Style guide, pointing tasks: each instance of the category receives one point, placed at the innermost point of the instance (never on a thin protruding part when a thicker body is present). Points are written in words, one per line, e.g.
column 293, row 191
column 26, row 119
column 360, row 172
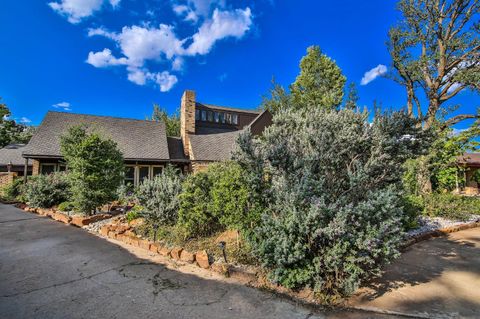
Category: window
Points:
column 222, row 117
column 143, row 173
column 197, row 115
column 47, row 169
column 216, row 115
column 204, row 115
column 235, row 119
column 228, row 118
column 130, row 175
column 210, row 116
column 156, row 170
column 62, row 167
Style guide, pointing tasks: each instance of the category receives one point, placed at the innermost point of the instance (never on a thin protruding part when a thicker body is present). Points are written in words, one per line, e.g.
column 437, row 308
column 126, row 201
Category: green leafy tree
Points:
column 10, row 130
column 435, row 53
column 95, row 166
column 320, row 82
column 172, row 123
column 334, row 213
column 159, row 198
column 278, row 100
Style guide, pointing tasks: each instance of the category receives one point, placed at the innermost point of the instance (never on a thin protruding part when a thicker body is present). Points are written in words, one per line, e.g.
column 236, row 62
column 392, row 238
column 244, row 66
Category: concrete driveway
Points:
column 437, row 278
column 51, row 270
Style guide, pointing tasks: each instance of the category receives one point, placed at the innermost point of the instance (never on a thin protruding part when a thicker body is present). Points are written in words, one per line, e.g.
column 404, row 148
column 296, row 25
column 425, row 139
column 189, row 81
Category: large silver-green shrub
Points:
column 45, row 191
column 159, row 198
column 332, row 181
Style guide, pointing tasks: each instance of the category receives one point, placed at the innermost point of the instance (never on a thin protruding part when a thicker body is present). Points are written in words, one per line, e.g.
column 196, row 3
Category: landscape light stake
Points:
column 222, row 245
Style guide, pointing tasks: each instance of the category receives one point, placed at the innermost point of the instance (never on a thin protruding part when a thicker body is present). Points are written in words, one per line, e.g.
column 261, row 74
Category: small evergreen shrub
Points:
column 217, row 199
column 450, row 206
column 66, row 206
column 45, row 191
column 134, row 213
column 159, row 198
column 13, row 191
column 195, row 217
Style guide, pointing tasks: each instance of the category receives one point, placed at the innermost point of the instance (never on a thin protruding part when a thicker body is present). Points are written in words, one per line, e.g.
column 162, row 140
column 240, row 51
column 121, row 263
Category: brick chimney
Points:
column 187, row 118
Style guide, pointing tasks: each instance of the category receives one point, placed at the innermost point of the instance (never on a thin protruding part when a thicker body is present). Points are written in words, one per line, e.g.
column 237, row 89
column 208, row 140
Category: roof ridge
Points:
column 236, row 109
column 103, row 116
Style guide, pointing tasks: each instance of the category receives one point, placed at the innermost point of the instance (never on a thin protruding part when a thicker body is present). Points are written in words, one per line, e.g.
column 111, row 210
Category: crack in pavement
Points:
column 135, row 263
column 19, row 220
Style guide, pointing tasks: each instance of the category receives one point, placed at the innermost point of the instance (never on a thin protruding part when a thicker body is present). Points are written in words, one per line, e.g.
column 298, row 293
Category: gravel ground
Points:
column 428, row 224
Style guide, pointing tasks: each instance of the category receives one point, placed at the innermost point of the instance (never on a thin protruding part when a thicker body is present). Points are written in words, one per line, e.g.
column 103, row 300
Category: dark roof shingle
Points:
column 213, row 147
column 12, row 154
column 136, row 139
column 175, row 148
column 469, row 159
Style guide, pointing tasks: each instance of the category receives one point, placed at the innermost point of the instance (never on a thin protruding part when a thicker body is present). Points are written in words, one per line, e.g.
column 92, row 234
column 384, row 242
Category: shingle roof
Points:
column 213, row 147
column 136, row 139
column 175, row 148
column 12, row 154
column 469, row 159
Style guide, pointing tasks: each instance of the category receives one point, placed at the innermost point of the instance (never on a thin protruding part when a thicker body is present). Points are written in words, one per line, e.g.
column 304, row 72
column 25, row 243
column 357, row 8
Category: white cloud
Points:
column 140, row 45
column 223, row 24
column 371, row 75
column 165, row 81
column 104, row 59
column 25, row 120
column 63, row 105
column 76, row 10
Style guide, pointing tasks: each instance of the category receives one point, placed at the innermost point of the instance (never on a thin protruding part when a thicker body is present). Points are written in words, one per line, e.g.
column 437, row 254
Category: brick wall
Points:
column 6, row 178
column 35, row 167
column 187, row 119
column 199, row 166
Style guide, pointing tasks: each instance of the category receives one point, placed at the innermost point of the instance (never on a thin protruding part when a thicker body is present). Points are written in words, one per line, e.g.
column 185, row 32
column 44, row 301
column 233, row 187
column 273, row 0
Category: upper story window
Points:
column 228, row 118
column 235, row 119
column 204, row 115
column 216, row 116
column 197, row 115
column 222, row 117
column 210, row 116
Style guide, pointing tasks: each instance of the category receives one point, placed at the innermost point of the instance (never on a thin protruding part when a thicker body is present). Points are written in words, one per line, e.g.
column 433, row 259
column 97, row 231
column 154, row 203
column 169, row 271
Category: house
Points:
column 12, row 164
column 208, row 134
column 471, row 164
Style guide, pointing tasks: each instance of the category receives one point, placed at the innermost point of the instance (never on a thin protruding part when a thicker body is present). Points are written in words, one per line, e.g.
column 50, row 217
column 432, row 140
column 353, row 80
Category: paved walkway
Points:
column 437, row 278
column 51, row 270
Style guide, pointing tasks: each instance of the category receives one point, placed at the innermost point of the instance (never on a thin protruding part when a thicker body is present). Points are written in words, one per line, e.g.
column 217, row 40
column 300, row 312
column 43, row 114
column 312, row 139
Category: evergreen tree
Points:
column 352, row 97
column 320, row 82
column 10, row 130
column 95, row 168
column 172, row 123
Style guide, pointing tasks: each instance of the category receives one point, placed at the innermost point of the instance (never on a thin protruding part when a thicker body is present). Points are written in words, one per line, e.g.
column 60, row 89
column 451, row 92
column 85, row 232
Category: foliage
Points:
column 11, row 131
column 435, row 54
column 95, row 168
column 134, row 213
column 320, row 82
column 446, row 205
column 66, row 206
column 125, row 194
column 45, row 191
column 194, row 216
column 13, row 190
column 217, row 199
column 335, row 211
column 160, row 197
column 172, row 123
column 352, row 97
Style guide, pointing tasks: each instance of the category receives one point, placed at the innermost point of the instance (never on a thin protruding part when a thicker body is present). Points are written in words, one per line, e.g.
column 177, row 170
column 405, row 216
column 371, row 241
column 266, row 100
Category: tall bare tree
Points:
column 436, row 53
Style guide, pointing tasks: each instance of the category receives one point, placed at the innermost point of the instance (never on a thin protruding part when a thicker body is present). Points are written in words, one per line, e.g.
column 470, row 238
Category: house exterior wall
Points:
column 471, row 187
column 199, row 166
column 7, row 178
column 35, row 167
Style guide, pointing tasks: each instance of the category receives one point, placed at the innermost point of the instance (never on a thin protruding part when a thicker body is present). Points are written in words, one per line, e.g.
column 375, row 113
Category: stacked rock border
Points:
column 78, row 221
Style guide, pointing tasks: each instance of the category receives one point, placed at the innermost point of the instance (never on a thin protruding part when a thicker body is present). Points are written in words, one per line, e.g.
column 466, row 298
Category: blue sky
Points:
column 118, row 57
